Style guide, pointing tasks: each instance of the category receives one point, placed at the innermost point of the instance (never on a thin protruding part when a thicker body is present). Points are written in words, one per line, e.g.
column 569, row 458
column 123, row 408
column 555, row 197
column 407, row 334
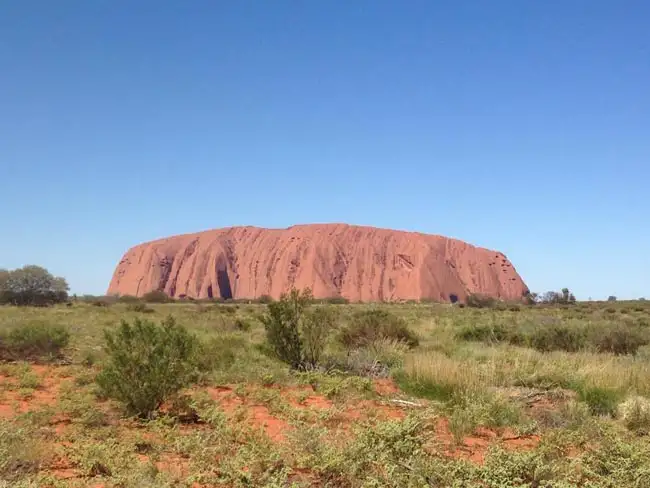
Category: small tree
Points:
column 283, row 323
column 611, row 298
column 32, row 285
column 297, row 334
column 147, row 364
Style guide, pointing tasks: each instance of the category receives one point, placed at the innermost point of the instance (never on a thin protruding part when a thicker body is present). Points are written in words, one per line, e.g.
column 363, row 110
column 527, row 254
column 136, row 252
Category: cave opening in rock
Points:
column 225, row 291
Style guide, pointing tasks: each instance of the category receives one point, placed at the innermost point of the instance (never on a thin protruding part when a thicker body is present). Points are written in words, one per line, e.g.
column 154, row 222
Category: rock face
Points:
column 358, row 263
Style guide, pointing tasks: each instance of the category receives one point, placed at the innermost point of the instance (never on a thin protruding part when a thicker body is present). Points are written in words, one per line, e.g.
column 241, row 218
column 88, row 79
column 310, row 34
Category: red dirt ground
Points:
column 472, row 447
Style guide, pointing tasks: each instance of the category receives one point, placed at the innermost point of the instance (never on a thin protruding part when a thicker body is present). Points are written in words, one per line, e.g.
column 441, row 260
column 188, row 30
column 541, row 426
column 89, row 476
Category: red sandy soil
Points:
column 11, row 401
column 358, row 263
column 472, row 447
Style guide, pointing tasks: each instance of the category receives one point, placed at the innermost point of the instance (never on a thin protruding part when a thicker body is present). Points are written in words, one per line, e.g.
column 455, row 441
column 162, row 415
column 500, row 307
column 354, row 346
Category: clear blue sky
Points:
column 522, row 126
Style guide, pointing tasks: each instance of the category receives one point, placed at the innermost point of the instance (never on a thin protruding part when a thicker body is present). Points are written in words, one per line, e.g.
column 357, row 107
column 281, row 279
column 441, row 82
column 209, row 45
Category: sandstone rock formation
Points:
column 358, row 263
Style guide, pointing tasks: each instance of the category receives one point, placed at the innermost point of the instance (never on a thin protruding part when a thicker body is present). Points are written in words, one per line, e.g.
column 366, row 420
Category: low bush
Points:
column 35, row 341
column 470, row 409
column 369, row 326
column 156, row 296
column 128, row 299
column 490, row 334
column 618, row 339
column 557, row 337
column 375, row 361
column 476, row 300
column 425, row 387
column 147, row 364
column 635, row 414
column 601, row 401
column 139, row 307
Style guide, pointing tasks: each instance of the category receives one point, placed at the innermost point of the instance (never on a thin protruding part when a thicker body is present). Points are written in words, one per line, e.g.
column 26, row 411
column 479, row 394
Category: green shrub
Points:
column 493, row 333
column 34, row 341
column 557, row 336
column 147, row 364
column 32, row 286
column 370, row 325
column 425, row 387
column 476, row 300
column 156, row 296
column 282, row 324
column 619, row 339
column 296, row 334
column 601, row 401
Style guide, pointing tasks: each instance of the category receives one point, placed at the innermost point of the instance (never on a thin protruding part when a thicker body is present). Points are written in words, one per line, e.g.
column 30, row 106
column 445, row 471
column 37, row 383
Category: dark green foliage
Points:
column 476, row 300
column 297, row 334
column 490, row 334
column 282, row 324
column 557, row 336
column 32, row 286
column 367, row 326
column 265, row 299
column 147, row 364
column 611, row 298
column 619, row 339
column 601, row 401
column 156, row 296
column 36, row 341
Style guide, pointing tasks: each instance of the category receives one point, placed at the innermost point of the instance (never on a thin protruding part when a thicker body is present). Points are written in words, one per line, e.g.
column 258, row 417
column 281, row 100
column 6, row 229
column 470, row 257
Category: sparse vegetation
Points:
column 36, row 341
column 441, row 396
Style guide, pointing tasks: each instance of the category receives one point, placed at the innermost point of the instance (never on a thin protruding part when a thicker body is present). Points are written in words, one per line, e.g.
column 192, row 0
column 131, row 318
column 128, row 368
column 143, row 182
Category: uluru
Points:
column 355, row 262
